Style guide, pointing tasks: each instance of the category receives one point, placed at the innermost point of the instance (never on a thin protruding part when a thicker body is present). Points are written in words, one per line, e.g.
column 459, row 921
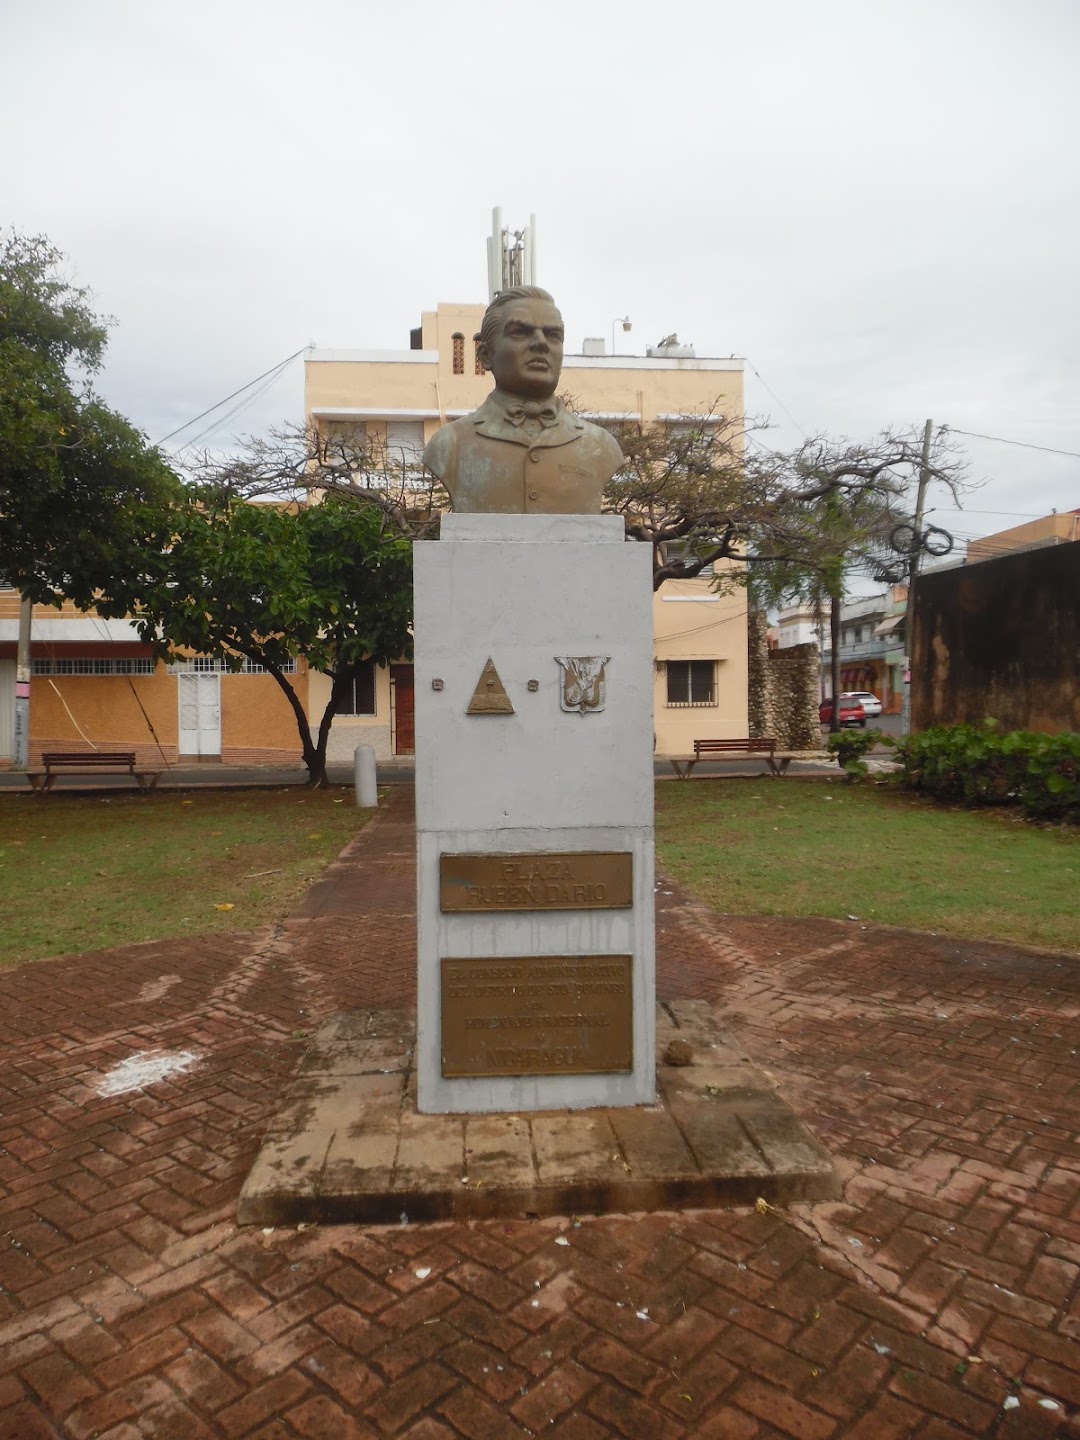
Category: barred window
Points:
column 458, row 341
column 217, row 664
column 94, row 665
column 691, row 682
column 359, row 695
column 478, row 368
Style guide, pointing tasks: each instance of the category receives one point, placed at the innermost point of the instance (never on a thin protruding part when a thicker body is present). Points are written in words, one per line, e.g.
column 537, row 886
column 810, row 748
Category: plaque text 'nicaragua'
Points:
column 554, row 880
column 537, row 1015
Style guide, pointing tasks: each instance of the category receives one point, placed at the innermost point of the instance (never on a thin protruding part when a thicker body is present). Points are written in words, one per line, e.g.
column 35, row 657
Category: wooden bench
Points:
column 89, row 762
column 741, row 749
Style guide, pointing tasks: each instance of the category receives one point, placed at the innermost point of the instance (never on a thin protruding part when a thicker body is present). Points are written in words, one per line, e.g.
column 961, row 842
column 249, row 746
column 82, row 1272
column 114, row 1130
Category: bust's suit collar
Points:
column 490, row 421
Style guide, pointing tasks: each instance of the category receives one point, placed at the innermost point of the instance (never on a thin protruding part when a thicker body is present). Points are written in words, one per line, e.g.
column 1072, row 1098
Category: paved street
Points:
column 938, row 1298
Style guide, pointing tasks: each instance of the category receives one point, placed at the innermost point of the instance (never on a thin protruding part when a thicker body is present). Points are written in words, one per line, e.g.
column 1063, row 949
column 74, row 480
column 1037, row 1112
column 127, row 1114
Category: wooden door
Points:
column 404, row 730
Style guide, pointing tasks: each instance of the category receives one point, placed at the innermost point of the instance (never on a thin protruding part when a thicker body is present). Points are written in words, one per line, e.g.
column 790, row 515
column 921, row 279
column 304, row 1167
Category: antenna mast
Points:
column 511, row 255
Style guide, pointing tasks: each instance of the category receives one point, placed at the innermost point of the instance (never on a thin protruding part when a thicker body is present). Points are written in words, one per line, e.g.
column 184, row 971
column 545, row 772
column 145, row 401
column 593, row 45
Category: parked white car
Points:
column 870, row 703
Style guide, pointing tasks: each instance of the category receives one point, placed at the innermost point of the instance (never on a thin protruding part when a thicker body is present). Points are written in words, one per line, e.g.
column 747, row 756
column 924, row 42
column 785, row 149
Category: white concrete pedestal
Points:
column 521, row 590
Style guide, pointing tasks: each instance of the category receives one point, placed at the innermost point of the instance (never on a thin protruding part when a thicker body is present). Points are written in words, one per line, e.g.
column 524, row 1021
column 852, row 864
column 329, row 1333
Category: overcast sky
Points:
column 876, row 201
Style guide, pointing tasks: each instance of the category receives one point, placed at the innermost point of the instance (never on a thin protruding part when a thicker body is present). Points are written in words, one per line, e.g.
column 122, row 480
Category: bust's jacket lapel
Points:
column 490, row 421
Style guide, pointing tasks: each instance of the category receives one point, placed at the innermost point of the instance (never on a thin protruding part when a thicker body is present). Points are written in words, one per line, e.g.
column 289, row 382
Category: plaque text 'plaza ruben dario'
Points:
column 540, row 1015
column 574, row 880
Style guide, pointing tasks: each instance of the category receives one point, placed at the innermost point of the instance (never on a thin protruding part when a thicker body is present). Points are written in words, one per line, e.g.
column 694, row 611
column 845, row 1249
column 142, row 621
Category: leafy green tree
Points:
column 82, row 494
column 329, row 583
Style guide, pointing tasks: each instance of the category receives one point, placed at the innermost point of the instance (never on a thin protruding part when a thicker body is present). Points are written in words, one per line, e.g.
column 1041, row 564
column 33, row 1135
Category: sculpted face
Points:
column 527, row 357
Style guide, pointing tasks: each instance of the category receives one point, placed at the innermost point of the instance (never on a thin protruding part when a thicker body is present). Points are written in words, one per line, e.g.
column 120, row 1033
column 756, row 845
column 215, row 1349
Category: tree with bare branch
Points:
column 710, row 490
column 298, row 462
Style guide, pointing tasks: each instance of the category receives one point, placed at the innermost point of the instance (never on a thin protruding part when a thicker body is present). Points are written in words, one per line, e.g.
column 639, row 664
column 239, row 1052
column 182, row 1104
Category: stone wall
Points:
column 757, row 680
column 784, row 689
column 793, row 695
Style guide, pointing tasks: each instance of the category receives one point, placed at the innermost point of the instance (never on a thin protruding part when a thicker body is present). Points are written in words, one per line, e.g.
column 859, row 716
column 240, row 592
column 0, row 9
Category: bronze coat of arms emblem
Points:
column 582, row 682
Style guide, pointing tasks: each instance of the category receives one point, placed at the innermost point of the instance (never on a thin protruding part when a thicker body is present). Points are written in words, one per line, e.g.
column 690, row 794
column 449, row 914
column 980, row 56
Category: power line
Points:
column 776, row 397
column 1000, row 439
column 250, row 399
column 188, row 423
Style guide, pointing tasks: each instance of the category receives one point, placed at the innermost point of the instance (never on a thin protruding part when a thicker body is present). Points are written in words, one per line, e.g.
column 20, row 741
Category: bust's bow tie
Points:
column 545, row 412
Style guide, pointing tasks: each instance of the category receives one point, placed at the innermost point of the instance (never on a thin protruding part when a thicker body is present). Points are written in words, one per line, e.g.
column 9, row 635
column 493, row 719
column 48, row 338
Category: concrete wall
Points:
column 1001, row 639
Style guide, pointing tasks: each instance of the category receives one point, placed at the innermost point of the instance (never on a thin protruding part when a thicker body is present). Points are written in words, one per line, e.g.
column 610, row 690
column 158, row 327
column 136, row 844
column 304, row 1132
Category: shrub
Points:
column 849, row 747
column 977, row 765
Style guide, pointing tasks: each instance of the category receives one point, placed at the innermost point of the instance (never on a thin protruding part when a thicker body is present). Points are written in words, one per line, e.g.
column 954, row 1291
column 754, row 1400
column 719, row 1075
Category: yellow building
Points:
column 1057, row 529
column 95, row 685
column 401, row 397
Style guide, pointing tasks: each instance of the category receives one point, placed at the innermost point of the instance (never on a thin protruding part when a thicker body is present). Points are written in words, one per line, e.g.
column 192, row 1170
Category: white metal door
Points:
column 199, row 725
column 7, row 709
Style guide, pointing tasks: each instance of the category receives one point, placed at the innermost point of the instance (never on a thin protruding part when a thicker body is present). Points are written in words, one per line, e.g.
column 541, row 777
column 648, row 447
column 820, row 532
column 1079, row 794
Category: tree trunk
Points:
column 834, row 632
column 314, row 755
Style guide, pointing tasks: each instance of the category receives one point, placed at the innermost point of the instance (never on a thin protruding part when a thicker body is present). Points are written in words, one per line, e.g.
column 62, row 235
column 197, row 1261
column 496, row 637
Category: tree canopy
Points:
column 81, row 490
column 329, row 583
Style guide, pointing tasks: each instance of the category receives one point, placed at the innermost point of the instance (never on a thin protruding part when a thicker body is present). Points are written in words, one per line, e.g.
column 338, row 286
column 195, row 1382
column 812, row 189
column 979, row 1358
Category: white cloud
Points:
column 878, row 204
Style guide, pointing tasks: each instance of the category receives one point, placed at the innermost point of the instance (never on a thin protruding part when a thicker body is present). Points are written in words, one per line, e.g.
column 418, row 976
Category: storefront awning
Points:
column 889, row 626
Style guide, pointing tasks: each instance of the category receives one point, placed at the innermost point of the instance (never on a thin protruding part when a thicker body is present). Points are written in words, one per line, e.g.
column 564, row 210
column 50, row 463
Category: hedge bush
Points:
column 849, row 747
column 978, row 765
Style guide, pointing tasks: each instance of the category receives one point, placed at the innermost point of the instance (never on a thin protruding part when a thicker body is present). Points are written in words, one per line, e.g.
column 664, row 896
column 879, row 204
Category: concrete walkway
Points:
column 938, row 1298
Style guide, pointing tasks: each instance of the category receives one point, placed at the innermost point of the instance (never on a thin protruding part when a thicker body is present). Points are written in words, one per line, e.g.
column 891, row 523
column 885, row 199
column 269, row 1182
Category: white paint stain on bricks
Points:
column 155, row 989
column 147, row 1067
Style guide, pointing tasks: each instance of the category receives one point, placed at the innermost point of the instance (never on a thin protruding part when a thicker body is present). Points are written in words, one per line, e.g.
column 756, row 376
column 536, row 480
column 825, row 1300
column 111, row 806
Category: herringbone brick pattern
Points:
column 943, row 1076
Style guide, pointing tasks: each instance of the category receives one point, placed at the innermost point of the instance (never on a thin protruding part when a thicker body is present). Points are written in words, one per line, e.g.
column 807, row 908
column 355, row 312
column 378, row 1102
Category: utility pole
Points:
column 22, row 687
column 913, row 570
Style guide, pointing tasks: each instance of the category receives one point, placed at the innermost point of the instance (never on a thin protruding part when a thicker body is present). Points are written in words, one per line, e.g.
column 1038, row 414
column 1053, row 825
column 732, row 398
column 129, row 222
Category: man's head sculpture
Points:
column 521, row 342
column 522, row 452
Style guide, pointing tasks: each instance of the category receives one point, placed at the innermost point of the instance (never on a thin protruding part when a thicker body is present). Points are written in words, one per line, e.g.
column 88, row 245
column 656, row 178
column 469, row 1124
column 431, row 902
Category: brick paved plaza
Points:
column 937, row 1299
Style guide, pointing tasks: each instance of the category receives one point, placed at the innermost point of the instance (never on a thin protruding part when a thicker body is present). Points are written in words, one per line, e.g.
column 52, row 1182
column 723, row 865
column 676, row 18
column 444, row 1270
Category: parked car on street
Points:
column 851, row 711
column 869, row 702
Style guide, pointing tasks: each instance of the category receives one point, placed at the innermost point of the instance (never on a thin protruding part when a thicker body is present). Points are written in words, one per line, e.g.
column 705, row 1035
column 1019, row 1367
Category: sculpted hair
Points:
column 489, row 326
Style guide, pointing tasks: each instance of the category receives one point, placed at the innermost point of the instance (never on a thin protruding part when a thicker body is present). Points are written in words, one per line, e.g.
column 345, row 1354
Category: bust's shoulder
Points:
column 439, row 451
column 603, row 441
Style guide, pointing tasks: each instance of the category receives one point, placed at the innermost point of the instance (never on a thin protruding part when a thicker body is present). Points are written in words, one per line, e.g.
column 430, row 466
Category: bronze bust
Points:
column 522, row 452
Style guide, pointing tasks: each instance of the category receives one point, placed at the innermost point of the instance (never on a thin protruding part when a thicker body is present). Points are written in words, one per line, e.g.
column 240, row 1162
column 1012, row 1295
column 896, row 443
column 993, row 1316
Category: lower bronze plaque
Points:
column 548, row 880
column 537, row 1015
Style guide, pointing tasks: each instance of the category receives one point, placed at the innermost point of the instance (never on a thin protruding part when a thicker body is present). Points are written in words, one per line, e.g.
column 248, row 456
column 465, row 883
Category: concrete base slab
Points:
column 349, row 1146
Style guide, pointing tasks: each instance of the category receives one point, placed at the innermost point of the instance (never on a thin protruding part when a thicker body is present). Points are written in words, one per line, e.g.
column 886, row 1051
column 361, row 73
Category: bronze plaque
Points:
column 537, row 1015
column 551, row 880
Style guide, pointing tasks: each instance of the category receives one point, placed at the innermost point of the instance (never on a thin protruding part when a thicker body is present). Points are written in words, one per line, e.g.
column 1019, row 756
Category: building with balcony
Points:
column 96, row 685
column 871, row 643
column 399, row 398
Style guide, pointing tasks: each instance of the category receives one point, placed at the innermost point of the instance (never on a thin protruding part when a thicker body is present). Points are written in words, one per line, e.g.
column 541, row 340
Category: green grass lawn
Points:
column 800, row 847
column 82, row 872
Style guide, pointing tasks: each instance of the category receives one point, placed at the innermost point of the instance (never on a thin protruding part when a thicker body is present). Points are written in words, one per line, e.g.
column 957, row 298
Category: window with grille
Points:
column 358, row 697
column 216, row 664
column 458, row 341
column 691, row 682
column 478, row 368
column 94, row 665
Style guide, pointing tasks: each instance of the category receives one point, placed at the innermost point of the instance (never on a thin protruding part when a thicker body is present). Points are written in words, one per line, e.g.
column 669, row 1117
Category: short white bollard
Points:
column 367, row 790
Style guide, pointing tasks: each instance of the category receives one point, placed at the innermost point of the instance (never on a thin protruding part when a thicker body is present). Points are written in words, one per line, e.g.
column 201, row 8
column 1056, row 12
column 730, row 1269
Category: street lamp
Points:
column 624, row 321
